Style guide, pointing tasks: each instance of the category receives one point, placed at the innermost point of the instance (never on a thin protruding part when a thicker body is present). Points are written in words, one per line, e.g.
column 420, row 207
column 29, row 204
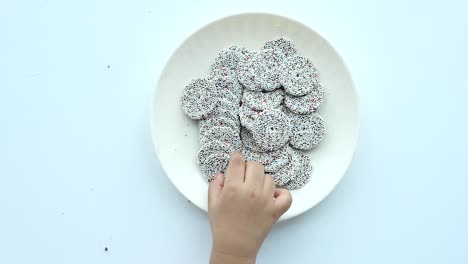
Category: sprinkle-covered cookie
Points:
column 271, row 130
column 307, row 131
column 291, row 170
column 229, row 58
column 260, row 70
column 227, row 104
column 268, row 65
column 224, row 84
column 197, row 99
column 280, row 160
column 223, row 71
column 298, row 76
column 223, row 134
column 226, row 113
column 286, row 46
column 214, row 163
column 248, row 141
column 305, row 104
column 228, row 96
column 271, row 160
column 247, row 116
column 205, row 125
column 248, row 71
column 284, row 175
column 304, row 174
column 263, row 100
column 214, row 147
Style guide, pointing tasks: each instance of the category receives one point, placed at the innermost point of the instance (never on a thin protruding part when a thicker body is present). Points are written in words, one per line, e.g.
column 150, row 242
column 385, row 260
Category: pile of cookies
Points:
column 263, row 103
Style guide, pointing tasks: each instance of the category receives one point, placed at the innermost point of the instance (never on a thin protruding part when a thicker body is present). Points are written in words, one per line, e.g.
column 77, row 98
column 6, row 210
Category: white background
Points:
column 78, row 172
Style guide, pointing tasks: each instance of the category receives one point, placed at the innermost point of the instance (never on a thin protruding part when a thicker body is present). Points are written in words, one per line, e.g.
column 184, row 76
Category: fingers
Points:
column 254, row 174
column 283, row 200
column 215, row 187
column 269, row 186
column 236, row 170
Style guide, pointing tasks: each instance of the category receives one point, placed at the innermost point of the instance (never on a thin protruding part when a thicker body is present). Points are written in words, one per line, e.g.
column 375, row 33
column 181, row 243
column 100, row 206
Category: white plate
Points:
column 175, row 136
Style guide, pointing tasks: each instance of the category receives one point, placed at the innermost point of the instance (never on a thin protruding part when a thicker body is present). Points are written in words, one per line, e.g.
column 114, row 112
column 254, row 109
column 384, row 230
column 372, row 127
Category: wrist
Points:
column 219, row 257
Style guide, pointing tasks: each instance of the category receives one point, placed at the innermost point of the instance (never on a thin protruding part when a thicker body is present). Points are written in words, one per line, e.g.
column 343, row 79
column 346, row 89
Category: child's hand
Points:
column 243, row 208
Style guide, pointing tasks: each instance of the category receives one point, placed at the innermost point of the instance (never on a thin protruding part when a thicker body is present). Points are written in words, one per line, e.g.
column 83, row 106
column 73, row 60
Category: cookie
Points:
column 291, row 170
column 214, row 147
column 303, row 176
column 280, row 159
column 260, row 70
column 263, row 100
column 226, row 104
column 225, row 84
column 248, row 141
column 226, row 113
column 214, row 163
column 307, row 131
column 229, row 58
column 271, row 130
column 197, row 100
column 248, row 71
column 231, row 96
column 298, row 76
column 247, row 116
column 223, row 71
column 206, row 125
column 271, row 160
column 285, row 46
column 305, row 104
column 269, row 62
column 223, row 134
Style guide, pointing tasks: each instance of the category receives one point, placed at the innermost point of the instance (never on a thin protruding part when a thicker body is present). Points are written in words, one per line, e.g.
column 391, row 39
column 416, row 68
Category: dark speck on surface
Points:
column 185, row 134
column 189, row 201
column 108, row 66
column 106, row 249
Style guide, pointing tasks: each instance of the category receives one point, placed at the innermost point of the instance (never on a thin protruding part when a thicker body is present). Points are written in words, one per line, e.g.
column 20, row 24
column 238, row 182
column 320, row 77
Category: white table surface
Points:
column 78, row 172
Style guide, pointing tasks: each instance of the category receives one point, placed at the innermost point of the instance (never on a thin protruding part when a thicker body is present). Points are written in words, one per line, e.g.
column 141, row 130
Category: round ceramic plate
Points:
column 175, row 136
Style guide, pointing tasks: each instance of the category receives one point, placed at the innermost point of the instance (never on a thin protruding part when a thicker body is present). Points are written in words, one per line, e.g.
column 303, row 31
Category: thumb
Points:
column 283, row 200
column 215, row 187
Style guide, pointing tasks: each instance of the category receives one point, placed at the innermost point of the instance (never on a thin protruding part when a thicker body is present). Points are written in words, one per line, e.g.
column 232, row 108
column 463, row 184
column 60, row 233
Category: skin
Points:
column 242, row 207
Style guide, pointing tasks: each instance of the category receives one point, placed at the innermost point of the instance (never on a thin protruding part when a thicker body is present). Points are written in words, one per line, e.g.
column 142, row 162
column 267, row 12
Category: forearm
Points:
column 221, row 258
